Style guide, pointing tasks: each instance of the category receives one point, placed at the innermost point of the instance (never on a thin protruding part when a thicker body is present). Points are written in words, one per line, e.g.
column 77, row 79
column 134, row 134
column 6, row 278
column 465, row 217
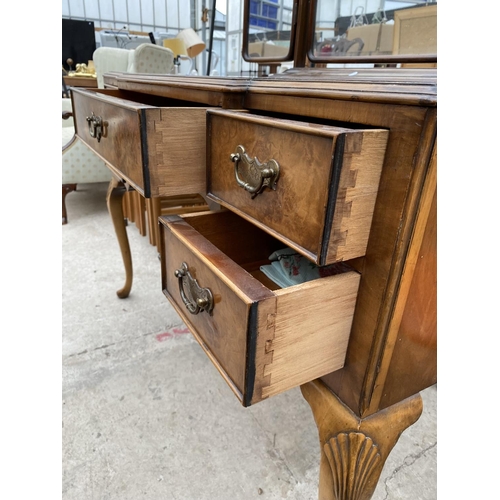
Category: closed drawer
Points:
column 312, row 186
column 263, row 339
column 159, row 149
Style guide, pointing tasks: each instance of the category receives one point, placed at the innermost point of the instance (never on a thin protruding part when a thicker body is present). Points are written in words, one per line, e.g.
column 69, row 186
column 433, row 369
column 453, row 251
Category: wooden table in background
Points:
column 80, row 81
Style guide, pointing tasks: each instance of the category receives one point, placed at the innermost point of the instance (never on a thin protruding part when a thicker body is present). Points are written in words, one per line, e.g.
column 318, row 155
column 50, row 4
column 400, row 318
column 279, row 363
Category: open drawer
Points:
column 262, row 338
column 155, row 144
column 311, row 185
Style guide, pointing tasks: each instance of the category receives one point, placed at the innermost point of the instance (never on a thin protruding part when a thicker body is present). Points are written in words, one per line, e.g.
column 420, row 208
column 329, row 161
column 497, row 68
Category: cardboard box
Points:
column 377, row 39
column 415, row 30
column 268, row 49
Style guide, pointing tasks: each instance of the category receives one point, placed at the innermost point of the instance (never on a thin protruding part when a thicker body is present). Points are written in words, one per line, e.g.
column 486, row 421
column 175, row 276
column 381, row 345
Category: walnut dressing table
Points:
column 356, row 154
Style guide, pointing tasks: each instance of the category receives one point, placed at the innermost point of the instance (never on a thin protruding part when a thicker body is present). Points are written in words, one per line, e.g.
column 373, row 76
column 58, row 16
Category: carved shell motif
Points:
column 354, row 461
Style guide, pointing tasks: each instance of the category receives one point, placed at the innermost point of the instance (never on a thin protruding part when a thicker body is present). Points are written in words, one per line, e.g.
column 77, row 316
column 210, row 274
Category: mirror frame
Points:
column 384, row 59
column 246, row 35
column 305, row 24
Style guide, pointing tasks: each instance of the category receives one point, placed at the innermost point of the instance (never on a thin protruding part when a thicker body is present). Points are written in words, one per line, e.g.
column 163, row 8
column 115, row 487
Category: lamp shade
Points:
column 194, row 44
column 176, row 45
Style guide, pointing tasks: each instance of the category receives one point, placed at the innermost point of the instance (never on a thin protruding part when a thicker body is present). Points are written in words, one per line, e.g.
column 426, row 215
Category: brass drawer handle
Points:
column 95, row 126
column 195, row 298
column 252, row 175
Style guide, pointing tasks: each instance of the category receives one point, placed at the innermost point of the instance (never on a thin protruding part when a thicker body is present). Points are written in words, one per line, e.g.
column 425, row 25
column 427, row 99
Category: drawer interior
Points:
column 247, row 245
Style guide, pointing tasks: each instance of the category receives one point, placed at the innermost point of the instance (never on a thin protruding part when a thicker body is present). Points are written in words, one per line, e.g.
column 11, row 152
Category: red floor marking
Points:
column 162, row 336
column 181, row 330
column 175, row 331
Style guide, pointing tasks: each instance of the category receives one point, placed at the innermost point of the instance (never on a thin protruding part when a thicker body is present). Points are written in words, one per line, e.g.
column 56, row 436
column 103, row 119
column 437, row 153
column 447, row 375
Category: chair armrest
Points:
column 66, row 115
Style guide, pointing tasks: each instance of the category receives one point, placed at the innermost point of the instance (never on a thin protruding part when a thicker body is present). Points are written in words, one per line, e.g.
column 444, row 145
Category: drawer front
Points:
column 120, row 144
column 263, row 339
column 160, row 151
column 312, row 186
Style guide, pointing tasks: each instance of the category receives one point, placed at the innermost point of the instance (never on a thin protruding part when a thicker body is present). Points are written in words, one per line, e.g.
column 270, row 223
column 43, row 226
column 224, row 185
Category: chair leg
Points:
column 66, row 188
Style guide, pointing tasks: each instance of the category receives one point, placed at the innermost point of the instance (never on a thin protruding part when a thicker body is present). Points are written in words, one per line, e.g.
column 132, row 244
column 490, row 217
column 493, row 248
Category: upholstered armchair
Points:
column 79, row 163
column 147, row 58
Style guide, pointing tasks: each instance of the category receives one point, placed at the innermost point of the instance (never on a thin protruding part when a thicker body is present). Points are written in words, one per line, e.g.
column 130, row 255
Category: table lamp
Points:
column 177, row 46
column 194, row 44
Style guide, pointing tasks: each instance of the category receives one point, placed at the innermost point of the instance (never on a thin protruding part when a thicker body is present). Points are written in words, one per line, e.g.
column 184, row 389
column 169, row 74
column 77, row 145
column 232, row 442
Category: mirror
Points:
column 268, row 35
column 373, row 31
column 340, row 31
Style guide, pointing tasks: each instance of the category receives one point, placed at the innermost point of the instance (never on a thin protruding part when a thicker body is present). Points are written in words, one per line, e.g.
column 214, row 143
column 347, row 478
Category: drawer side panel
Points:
column 312, row 327
column 177, row 151
column 263, row 350
column 363, row 158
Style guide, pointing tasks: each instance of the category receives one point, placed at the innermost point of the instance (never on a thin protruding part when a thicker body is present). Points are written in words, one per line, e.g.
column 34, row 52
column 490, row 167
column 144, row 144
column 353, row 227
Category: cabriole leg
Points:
column 116, row 191
column 354, row 450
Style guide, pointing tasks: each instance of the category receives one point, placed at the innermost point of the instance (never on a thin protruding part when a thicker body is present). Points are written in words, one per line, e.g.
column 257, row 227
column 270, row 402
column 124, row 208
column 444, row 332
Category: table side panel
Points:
column 414, row 324
column 404, row 170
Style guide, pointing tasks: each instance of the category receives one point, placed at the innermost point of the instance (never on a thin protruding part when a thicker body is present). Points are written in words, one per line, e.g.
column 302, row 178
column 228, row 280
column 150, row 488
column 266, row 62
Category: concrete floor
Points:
column 146, row 414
